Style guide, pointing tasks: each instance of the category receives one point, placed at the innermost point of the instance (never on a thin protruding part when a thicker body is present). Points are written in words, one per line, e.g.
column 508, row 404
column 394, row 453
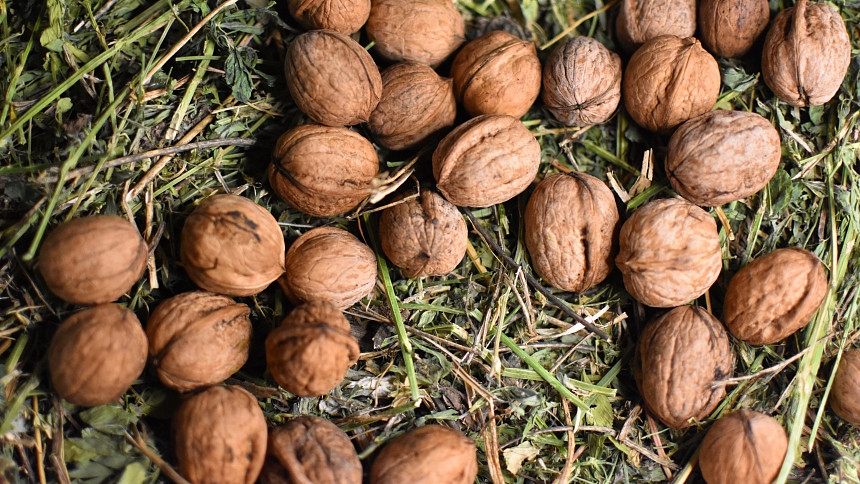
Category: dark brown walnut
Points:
column 668, row 81
column 344, row 16
column 669, row 253
column 639, row 21
column 92, row 260
column 680, row 357
column 220, row 436
column 806, row 54
column 309, row 354
column 774, row 296
column 321, row 170
column 426, row 31
column 729, row 28
column 427, row 455
column 845, row 396
column 332, row 78
column 197, row 339
column 230, row 245
column 486, row 160
column 424, row 236
column 416, row 104
column 329, row 264
column 570, row 226
column 743, row 446
column 722, row 156
column 96, row 354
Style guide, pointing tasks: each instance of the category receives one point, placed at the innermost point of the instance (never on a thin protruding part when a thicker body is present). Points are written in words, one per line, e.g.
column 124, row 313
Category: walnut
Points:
column 92, row 260
column 309, row 354
column 96, row 354
column 743, row 446
column 486, row 160
column 570, row 227
column 197, row 339
column 321, row 170
column 332, row 78
column 845, row 396
column 722, row 156
column 669, row 253
column 344, row 16
column 428, row 454
column 680, row 356
column 774, row 296
column 730, row 27
column 230, row 245
column 426, row 31
column 639, row 21
column 668, row 81
column 416, row 104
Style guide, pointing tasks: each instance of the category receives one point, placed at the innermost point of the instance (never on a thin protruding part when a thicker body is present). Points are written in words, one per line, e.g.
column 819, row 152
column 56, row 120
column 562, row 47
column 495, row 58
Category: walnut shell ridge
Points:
column 427, row 455
column 344, row 16
column 845, row 395
column 729, row 28
column 743, row 446
column 639, row 21
column 426, row 31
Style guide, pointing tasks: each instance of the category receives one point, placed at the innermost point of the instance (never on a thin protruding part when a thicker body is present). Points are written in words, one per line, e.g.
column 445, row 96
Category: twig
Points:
column 138, row 442
column 571, row 445
column 99, row 13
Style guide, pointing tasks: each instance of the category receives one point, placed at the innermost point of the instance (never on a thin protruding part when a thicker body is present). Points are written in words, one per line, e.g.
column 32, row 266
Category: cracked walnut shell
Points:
column 729, row 28
column 426, row 31
column 427, row 455
column 845, row 397
column 743, row 446
column 344, row 16
column 639, row 21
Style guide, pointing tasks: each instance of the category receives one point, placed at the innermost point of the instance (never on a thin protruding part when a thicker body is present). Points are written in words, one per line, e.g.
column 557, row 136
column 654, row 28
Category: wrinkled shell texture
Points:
column 230, row 245
column 344, row 16
column 220, row 436
column 669, row 253
column 774, row 296
column 743, row 446
column 416, row 104
column 680, row 355
column 427, row 455
column 332, row 78
column 425, row 31
column 806, row 54
column 329, row 264
column 639, row 21
column 309, row 354
column 570, row 225
column 722, row 156
column 425, row 236
column 486, row 160
column 729, row 28
column 96, row 354
column 582, row 82
column 321, row 170
column 497, row 73
column 198, row 339
column 845, row 396
column 668, row 81
column 92, row 260
column 311, row 450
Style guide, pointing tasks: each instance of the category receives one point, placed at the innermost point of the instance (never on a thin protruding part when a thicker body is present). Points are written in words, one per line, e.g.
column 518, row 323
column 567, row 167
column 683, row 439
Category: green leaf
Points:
column 63, row 104
column 601, row 413
column 134, row 473
column 109, row 419
column 238, row 68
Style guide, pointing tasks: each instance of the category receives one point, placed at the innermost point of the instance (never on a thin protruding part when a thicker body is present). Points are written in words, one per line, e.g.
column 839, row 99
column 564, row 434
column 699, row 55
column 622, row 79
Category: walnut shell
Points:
column 669, row 253
column 774, row 296
column 230, row 245
column 639, row 21
column 729, row 28
column 416, row 104
column 722, row 156
column 197, row 339
column 427, row 455
column 845, row 396
column 743, row 446
column 806, row 54
column 486, row 160
column 570, row 225
column 220, row 436
column 96, row 354
column 426, row 31
column 425, row 236
column 92, row 260
column 497, row 73
column 322, row 171
column 679, row 357
column 668, row 81
column 309, row 354
column 332, row 78
column 344, row 16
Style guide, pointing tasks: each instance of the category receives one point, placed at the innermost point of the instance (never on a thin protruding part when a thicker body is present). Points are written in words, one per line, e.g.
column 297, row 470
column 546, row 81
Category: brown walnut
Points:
column 344, row 16
column 743, row 446
column 729, row 28
column 639, row 21
column 426, row 31
column 427, row 455
column 845, row 396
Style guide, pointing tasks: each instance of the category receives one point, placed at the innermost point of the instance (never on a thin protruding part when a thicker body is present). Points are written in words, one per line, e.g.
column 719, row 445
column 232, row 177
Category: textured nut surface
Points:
column 486, row 160
column 743, row 446
column 722, row 156
column 198, row 339
column 639, row 21
column 679, row 357
column 427, row 455
column 96, row 354
column 845, row 396
column 806, row 54
column 774, row 296
column 230, row 245
column 92, row 260
column 321, row 170
column 570, row 225
column 425, row 31
column 332, row 78
column 668, row 81
column 669, row 253
column 729, row 28
column 344, row 16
